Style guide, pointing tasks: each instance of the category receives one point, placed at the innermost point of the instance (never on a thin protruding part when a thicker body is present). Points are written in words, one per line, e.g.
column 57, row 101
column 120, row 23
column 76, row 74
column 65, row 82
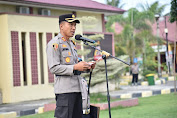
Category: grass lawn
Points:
column 161, row 106
column 100, row 98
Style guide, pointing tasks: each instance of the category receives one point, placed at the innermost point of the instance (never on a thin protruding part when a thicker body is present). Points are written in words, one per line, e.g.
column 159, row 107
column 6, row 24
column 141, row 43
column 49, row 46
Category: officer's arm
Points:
column 53, row 57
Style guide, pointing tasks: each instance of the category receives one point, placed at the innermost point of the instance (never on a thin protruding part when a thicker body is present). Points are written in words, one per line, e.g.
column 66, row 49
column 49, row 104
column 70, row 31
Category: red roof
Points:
column 81, row 5
column 170, row 27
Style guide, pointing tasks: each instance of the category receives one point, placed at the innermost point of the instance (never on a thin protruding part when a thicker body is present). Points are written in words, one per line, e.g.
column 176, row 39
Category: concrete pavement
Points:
column 136, row 91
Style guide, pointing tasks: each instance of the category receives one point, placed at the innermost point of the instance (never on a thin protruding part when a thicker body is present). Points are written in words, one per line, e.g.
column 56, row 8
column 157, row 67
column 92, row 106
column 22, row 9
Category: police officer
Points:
column 62, row 61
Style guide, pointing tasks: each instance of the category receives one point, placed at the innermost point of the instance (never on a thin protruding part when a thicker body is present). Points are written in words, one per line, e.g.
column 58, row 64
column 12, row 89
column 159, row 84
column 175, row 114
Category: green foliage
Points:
column 115, row 3
column 99, row 98
column 114, row 67
column 154, row 8
column 83, row 52
column 137, row 36
column 164, row 66
column 173, row 12
column 86, row 51
column 149, row 63
column 89, row 22
column 125, row 44
column 134, row 23
column 111, row 20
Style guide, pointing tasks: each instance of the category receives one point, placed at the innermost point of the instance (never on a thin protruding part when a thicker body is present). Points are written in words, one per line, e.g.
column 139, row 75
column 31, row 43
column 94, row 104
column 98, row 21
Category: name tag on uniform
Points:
column 65, row 49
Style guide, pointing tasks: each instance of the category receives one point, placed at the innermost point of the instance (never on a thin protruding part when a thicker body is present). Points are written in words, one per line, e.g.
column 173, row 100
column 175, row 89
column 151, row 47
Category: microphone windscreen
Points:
column 77, row 37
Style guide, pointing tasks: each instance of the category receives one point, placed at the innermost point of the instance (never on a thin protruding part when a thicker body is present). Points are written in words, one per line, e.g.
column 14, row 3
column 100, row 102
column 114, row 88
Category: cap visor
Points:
column 73, row 20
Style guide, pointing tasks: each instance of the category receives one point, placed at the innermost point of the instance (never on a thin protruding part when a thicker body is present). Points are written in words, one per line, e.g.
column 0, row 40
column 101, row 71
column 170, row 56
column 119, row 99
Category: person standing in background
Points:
column 135, row 71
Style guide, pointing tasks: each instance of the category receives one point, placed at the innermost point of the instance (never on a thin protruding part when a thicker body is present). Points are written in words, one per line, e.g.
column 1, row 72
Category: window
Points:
column 23, row 10
column 41, row 57
column 23, row 35
column 45, row 12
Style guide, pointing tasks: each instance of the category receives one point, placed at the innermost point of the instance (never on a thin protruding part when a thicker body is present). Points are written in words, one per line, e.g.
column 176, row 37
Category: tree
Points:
column 127, row 41
column 173, row 18
column 136, row 33
column 149, row 64
column 112, row 19
column 115, row 3
column 154, row 7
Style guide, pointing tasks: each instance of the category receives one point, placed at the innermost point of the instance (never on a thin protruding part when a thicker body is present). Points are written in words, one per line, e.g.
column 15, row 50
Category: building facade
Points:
column 26, row 26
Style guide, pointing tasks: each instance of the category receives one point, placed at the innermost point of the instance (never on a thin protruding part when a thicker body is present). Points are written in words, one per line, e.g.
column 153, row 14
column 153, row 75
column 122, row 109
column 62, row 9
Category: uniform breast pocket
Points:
column 67, row 57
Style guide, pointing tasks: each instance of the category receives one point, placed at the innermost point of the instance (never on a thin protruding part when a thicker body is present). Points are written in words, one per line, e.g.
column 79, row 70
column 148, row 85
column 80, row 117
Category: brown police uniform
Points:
column 62, row 56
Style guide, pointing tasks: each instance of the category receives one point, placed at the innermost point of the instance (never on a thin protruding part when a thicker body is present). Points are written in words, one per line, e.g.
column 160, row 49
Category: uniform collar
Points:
column 60, row 36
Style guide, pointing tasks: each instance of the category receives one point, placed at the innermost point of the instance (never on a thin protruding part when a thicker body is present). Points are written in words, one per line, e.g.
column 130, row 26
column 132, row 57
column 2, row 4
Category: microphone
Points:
column 79, row 37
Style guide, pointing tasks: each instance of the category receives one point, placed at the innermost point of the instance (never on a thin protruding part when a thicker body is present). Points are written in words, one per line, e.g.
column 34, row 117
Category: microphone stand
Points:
column 109, row 55
column 104, row 57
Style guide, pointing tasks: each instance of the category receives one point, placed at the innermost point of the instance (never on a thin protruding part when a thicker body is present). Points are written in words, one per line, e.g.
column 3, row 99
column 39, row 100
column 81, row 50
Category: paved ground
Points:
column 39, row 103
column 22, row 106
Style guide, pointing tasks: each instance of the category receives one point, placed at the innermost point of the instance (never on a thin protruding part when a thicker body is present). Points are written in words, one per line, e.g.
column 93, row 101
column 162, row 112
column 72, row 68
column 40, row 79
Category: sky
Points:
column 134, row 3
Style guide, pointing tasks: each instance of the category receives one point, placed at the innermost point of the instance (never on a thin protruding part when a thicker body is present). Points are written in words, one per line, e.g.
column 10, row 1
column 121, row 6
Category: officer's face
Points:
column 68, row 29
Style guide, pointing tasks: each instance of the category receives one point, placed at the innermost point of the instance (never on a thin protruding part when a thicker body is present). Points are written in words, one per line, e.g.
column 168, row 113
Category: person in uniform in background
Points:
column 62, row 62
column 135, row 71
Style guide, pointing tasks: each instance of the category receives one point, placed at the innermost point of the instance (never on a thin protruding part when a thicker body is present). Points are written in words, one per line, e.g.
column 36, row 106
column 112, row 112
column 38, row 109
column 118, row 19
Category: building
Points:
column 170, row 39
column 25, row 28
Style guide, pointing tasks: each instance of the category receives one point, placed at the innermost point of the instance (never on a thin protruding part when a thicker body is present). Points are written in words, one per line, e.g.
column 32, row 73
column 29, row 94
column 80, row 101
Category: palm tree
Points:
column 112, row 19
column 154, row 7
column 128, row 40
column 115, row 3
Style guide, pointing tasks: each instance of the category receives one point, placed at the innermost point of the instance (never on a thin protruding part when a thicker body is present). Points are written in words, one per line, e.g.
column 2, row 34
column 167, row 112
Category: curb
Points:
column 103, row 106
column 27, row 112
column 123, row 103
column 171, row 78
column 40, row 110
column 8, row 115
column 146, row 93
column 160, row 81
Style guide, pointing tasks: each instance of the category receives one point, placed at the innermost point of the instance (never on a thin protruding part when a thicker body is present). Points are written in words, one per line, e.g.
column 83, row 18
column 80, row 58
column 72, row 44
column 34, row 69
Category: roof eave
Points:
column 53, row 6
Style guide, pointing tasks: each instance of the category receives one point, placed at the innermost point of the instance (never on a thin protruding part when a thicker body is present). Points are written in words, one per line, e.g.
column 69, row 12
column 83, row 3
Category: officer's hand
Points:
column 92, row 63
column 82, row 66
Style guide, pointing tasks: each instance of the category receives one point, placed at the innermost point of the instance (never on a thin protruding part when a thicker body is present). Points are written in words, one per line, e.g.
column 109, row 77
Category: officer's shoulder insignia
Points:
column 67, row 59
column 55, row 46
column 64, row 46
column 73, row 42
column 63, row 39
